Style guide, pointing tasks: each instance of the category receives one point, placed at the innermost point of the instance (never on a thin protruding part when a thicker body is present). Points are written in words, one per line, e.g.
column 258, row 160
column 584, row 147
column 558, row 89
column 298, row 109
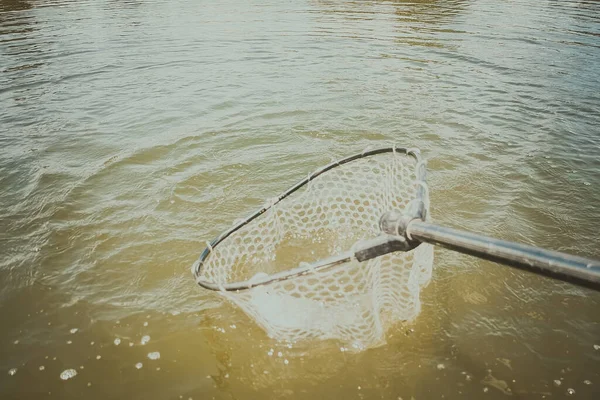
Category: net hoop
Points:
column 421, row 195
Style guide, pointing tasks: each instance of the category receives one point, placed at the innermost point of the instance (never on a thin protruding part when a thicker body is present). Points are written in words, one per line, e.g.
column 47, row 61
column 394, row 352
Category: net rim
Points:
column 420, row 171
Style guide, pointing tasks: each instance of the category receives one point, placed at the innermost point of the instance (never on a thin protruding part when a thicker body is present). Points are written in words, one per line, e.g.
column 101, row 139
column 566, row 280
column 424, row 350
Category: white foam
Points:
column 155, row 355
column 68, row 374
column 145, row 339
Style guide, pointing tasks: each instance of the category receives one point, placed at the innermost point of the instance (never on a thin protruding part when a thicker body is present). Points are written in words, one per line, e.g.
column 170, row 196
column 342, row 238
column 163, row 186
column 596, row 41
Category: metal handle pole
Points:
column 565, row 267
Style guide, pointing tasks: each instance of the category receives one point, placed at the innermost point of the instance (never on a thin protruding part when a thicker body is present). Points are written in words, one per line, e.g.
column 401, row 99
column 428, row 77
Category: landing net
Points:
column 289, row 266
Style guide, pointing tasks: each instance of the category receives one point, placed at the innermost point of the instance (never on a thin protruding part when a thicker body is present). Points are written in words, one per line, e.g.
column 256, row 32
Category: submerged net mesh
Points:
column 355, row 301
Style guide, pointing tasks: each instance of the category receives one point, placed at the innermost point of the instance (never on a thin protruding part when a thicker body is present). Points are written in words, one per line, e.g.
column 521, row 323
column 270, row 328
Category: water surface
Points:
column 133, row 131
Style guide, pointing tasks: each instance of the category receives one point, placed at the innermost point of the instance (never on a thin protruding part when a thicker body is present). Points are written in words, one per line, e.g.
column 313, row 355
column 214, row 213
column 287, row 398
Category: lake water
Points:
column 133, row 131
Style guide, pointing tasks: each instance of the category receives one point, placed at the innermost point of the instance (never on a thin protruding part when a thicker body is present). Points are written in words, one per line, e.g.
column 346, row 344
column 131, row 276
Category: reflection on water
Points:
column 132, row 132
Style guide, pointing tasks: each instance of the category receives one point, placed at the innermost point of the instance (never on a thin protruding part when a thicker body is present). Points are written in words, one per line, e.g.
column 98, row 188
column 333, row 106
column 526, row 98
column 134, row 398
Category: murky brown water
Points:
column 133, row 131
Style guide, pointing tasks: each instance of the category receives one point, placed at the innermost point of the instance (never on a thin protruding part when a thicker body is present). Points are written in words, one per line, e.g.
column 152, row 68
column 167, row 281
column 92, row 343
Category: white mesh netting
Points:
column 354, row 302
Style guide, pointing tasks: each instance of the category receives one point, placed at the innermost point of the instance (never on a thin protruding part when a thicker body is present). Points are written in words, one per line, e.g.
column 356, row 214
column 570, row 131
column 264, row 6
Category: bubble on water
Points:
column 232, row 326
column 358, row 346
column 597, row 347
column 145, row 339
column 74, row 330
column 12, row 371
column 68, row 374
column 89, row 384
column 91, row 343
column 16, row 342
column 586, row 183
column 155, row 355
column 286, row 362
column 468, row 378
column 270, row 352
column 226, row 376
column 279, row 354
column 587, row 382
column 117, row 341
column 557, row 382
column 139, row 365
column 343, row 349
column 570, row 391
column 441, row 366
column 130, row 344
column 485, row 389
column 146, row 323
column 98, row 357
column 69, row 342
column 42, row 368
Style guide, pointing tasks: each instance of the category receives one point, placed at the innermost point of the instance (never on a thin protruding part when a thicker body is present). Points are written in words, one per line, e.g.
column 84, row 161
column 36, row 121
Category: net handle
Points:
column 565, row 267
column 420, row 171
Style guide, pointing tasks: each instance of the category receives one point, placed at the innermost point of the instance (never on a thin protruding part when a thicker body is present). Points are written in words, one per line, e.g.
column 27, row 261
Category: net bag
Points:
column 291, row 265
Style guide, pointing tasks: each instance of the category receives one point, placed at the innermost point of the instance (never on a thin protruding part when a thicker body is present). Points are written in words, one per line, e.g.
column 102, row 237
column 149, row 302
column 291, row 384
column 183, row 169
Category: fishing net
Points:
column 291, row 267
